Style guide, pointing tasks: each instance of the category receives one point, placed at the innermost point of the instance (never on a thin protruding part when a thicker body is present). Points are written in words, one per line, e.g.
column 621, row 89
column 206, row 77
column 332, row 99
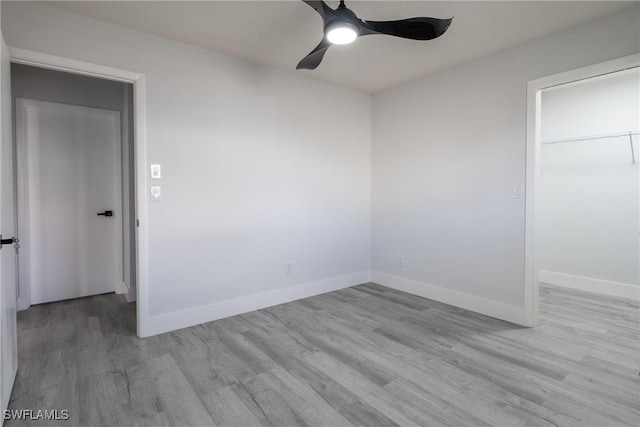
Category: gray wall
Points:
column 57, row 86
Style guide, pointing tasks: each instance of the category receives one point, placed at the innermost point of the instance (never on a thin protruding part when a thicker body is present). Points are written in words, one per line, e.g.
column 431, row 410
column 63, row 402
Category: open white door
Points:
column 8, row 339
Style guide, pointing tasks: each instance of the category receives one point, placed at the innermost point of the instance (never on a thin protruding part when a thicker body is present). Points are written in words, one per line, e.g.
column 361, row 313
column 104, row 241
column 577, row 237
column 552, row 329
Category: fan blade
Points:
column 412, row 28
column 319, row 6
column 312, row 60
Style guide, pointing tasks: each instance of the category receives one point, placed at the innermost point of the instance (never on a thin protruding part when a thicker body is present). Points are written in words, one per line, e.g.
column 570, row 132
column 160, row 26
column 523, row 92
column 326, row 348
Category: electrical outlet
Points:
column 400, row 261
column 156, row 191
column 289, row 268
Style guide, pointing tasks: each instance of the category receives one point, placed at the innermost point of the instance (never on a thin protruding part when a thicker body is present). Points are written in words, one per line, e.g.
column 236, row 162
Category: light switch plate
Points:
column 155, row 192
column 518, row 191
column 156, row 172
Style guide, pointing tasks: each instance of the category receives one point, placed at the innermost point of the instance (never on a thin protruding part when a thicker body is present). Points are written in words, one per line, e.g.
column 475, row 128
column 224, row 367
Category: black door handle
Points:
column 106, row 213
column 10, row 241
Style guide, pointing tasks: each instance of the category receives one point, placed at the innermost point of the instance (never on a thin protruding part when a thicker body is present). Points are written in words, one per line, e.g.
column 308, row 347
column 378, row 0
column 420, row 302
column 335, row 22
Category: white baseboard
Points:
column 207, row 313
column 511, row 313
column 122, row 287
column 131, row 294
column 22, row 303
column 126, row 290
column 615, row 289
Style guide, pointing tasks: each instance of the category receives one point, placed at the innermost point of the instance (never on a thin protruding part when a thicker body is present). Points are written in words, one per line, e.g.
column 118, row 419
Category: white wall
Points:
column 251, row 178
column 589, row 195
column 598, row 106
column 447, row 152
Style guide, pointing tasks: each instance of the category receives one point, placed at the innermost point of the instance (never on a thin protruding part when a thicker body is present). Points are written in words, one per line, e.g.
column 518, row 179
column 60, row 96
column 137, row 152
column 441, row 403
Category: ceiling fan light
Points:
column 342, row 34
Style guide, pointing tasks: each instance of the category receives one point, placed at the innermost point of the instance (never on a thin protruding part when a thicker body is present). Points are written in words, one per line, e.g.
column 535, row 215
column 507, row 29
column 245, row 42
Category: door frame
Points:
column 534, row 89
column 23, row 187
column 60, row 63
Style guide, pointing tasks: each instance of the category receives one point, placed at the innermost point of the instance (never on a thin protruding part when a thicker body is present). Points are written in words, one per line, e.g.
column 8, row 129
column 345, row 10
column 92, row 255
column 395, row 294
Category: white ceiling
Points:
column 280, row 33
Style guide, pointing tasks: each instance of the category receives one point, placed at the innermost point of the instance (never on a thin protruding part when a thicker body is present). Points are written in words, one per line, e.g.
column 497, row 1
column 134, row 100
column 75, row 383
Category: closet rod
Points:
column 629, row 134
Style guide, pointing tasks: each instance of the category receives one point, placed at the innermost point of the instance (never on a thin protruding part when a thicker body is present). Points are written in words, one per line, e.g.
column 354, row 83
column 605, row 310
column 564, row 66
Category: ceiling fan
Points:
column 342, row 26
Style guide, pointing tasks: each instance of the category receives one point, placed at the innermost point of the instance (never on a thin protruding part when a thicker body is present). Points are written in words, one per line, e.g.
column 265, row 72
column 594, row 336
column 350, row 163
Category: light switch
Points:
column 155, row 171
column 155, row 192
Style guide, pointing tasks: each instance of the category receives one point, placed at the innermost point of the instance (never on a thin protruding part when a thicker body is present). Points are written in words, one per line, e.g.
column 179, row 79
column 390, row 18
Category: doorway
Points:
column 567, row 205
column 589, row 190
column 139, row 157
column 73, row 139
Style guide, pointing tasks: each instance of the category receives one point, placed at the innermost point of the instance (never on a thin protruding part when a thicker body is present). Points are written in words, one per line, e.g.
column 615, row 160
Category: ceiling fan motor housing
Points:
column 343, row 17
column 342, row 26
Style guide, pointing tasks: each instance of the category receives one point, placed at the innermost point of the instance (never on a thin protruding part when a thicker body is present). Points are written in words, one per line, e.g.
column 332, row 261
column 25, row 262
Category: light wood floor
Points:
column 363, row 356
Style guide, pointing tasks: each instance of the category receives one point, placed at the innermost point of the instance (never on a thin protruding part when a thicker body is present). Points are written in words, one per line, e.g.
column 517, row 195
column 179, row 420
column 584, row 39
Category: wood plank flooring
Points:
column 363, row 356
